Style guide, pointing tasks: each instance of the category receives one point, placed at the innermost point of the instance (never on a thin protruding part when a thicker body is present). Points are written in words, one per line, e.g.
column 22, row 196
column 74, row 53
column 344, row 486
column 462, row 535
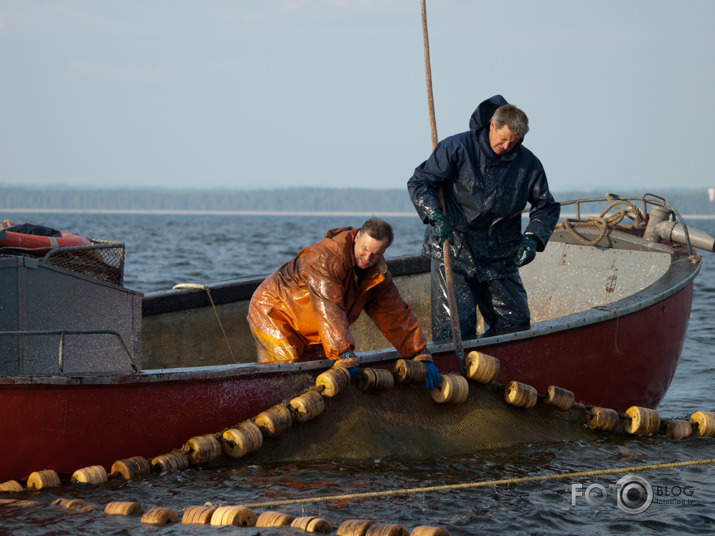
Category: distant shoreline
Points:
column 203, row 212
column 257, row 213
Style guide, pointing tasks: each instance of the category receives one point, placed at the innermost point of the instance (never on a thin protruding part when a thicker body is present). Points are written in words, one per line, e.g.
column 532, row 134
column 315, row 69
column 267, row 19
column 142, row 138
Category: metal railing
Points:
column 63, row 332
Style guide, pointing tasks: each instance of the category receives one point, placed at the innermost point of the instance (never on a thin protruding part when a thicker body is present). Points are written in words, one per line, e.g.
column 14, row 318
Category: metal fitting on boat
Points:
column 661, row 228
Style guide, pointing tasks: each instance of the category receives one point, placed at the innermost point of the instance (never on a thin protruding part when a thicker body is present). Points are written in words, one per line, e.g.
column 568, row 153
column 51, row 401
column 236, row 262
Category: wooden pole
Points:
column 453, row 314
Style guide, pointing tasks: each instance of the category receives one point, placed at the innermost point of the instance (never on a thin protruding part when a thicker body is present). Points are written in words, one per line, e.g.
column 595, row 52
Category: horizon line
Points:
column 260, row 212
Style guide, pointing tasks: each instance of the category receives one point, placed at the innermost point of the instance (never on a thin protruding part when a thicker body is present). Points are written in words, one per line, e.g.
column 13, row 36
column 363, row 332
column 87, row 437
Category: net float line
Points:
column 235, row 515
column 246, row 437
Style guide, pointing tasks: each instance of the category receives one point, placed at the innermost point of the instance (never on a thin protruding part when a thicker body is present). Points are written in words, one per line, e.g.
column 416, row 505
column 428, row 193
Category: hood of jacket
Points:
column 479, row 127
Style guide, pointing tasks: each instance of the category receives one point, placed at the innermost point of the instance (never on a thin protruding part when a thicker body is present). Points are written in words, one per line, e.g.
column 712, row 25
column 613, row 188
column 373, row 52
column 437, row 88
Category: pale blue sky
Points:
column 272, row 94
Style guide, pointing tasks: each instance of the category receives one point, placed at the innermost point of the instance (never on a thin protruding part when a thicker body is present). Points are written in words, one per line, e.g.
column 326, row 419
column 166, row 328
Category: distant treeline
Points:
column 687, row 201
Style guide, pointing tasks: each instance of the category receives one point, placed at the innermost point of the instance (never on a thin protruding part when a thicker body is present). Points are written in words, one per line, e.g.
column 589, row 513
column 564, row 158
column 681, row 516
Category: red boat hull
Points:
column 67, row 427
column 75, row 423
column 627, row 361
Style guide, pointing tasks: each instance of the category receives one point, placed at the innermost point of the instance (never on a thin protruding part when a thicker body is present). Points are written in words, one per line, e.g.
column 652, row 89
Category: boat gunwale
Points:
column 678, row 276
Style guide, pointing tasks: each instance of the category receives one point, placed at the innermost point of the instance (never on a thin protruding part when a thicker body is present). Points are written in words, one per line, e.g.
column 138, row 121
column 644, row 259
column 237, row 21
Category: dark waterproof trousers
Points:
column 502, row 303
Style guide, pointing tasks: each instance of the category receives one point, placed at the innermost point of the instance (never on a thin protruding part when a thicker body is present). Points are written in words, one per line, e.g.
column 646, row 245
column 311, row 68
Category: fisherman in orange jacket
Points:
column 304, row 310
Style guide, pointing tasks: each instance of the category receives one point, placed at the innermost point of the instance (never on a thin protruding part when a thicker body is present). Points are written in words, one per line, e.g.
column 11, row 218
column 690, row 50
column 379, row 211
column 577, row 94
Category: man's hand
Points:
column 441, row 230
column 433, row 376
column 527, row 250
column 349, row 360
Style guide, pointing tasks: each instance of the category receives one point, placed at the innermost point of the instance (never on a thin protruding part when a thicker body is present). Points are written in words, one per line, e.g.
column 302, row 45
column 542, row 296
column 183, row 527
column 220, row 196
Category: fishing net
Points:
column 103, row 260
column 405, row 422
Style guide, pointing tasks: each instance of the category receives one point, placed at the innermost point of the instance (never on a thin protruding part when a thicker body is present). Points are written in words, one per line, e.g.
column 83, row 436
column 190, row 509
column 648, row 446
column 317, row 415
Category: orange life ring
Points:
column 37, row 244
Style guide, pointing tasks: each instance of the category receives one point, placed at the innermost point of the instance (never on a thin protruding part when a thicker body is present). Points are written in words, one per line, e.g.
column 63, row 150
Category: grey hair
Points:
column 512, row 117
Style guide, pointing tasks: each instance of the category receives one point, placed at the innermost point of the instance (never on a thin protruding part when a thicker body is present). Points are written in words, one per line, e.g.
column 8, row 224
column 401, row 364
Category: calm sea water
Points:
column 163, row 250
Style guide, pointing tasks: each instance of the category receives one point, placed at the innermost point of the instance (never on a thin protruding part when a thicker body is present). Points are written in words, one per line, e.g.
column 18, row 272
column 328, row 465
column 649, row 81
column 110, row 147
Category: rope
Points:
column 605, row 223
column 213, row 305
column 468, row 485
column 199, row 286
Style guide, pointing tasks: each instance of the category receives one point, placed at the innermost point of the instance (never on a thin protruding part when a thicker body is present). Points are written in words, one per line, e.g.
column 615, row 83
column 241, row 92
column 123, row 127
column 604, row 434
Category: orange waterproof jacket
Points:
column 312, row 300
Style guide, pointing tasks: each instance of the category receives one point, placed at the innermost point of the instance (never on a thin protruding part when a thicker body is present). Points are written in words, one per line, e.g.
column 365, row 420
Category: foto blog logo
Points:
column 633, row 494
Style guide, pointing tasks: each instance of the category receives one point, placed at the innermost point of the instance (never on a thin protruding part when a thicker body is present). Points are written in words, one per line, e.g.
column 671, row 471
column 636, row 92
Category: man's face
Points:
column 501, row 140
column 368, row 250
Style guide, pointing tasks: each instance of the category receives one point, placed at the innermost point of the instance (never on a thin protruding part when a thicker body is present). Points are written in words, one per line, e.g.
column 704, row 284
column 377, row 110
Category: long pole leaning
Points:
column 454, row 316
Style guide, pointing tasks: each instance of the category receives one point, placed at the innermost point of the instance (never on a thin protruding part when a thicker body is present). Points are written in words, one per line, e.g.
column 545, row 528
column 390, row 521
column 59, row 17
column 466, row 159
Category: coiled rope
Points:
column 468, row 485
column 604, row 223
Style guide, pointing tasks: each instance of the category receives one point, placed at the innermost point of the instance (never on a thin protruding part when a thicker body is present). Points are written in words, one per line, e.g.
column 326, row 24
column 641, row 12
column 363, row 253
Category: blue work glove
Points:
column 433, row 376
column 349, row 361
column 441, row 229
column 527, row 250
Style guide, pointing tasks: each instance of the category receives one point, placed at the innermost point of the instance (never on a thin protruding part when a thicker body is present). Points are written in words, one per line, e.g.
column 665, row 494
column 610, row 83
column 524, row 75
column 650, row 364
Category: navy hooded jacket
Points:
column 484, row 195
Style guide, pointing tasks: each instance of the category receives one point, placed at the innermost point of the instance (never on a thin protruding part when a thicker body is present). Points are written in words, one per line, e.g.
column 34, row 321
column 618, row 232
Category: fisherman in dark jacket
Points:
column 486, row 177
